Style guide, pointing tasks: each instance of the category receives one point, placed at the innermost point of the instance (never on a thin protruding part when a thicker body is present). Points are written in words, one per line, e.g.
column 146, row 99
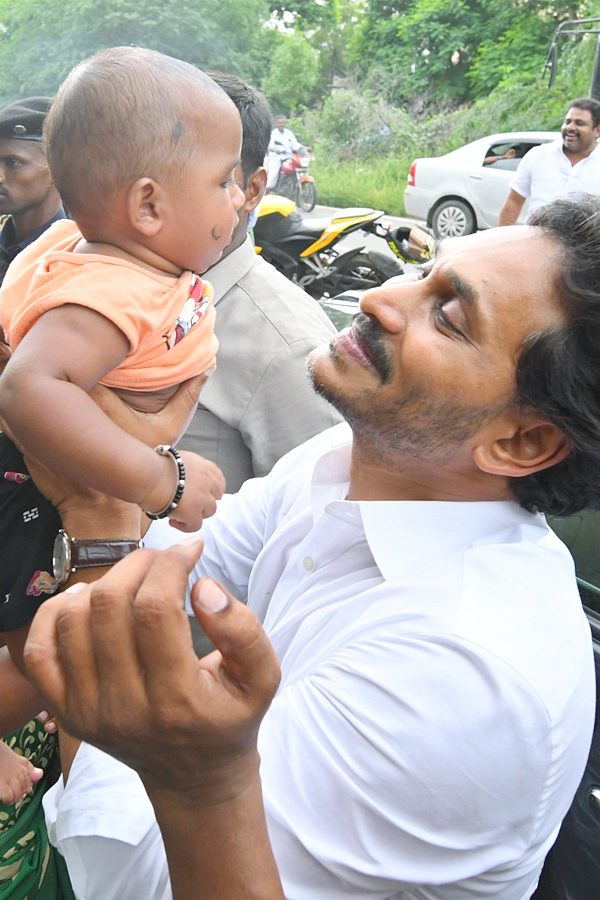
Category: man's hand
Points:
column 114, row 660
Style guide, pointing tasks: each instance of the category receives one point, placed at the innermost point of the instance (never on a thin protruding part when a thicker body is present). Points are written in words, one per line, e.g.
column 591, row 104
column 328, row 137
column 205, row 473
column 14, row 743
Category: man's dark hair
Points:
column 558, row 372
column 255, row 114
column 591, row 105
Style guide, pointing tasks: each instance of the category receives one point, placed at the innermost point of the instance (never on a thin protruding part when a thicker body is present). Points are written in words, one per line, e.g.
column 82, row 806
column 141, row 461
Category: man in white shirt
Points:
column 437, row 685
column 283, row 142
column 567, row 166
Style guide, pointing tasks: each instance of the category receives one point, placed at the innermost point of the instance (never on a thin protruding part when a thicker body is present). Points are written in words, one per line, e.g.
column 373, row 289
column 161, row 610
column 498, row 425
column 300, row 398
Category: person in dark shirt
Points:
column 27, row 195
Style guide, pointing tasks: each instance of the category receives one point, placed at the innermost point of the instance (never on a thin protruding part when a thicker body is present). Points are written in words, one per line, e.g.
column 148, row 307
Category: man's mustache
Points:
column 370, row 335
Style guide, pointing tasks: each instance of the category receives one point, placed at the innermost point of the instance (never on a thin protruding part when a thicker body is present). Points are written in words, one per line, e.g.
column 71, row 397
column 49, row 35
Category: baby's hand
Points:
column 17, row 775
column 204, row 485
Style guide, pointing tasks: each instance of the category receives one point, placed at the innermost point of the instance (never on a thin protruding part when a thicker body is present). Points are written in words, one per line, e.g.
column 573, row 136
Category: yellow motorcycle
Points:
column 308, row 251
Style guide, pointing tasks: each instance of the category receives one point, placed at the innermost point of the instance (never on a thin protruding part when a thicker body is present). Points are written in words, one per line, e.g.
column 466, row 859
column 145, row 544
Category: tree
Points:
column 294, row 72
column 41, row 40
column 456, row 49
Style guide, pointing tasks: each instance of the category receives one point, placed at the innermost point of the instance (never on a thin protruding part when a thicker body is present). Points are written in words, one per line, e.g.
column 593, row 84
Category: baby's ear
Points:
column 144, row 206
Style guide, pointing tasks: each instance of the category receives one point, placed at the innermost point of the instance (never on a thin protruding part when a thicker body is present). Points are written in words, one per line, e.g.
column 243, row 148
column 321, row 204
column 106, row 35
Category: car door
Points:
column 488, row 184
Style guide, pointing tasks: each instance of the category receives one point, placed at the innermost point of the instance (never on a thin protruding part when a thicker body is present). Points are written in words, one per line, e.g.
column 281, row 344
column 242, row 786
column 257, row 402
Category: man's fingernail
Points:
column 211, row 598
column 75, row 588
column 191, row 541
column 210, row 371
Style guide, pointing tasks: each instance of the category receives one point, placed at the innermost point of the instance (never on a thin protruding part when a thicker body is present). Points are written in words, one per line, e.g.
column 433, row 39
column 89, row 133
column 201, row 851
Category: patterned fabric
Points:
column 30, row 868
column 28, row 527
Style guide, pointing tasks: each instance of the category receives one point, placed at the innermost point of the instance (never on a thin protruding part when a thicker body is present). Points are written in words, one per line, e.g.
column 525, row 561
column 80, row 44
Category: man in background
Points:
column 259, row 403
column 560, row 167
column 283, row 141
column 27, row 194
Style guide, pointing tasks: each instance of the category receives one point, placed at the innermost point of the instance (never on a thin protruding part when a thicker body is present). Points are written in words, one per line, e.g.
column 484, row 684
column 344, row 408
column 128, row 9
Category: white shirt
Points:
column 545, row 172
column 282, row 141
column 437, row 694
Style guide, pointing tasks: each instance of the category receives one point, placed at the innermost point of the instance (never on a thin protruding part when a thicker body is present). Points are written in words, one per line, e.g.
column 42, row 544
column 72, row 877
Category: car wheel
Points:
column 453, row 218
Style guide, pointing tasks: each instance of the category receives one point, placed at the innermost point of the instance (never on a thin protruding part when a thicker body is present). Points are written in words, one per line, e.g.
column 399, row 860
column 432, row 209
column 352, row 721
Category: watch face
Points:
column 61, row 556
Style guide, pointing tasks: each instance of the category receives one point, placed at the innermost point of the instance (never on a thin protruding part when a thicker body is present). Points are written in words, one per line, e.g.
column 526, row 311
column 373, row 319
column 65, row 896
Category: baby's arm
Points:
column 44, row 399
column 20, row 701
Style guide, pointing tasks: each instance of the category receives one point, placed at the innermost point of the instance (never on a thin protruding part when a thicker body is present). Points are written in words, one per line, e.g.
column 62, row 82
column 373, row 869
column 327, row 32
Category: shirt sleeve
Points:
column 103, row 823
column 374, row 733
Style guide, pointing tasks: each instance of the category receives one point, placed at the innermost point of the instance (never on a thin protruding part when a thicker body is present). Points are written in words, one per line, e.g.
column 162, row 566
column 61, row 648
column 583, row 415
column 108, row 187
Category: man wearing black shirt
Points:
column 27, row 195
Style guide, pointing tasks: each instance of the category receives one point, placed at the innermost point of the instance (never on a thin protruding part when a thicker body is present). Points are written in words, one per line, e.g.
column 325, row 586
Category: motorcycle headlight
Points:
column 305, row 162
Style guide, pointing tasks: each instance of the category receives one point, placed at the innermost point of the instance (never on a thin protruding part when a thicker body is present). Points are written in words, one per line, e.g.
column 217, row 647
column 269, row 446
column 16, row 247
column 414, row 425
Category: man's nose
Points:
column 390, row 303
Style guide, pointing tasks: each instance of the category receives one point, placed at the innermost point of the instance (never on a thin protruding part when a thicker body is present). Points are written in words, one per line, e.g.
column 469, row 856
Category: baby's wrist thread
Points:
column 165, row 511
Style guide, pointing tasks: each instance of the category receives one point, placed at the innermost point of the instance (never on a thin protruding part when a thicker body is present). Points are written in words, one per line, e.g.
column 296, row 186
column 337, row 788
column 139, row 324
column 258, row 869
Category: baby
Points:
column 142, row 149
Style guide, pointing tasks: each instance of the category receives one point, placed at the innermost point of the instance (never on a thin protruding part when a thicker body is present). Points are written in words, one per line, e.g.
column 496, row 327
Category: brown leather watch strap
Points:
column 86, row 554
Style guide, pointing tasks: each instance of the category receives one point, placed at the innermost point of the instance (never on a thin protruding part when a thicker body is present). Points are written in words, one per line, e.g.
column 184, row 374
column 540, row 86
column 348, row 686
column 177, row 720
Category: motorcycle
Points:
column 306, row 251
column 294, row 182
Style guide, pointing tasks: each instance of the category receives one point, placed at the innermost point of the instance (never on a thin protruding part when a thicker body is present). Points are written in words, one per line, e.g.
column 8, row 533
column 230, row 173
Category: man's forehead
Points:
column 494, row 240
column 23, row 149
column 576, row 112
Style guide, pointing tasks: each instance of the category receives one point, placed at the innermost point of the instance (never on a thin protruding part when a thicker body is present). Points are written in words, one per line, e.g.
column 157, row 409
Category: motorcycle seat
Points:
column 312, row 226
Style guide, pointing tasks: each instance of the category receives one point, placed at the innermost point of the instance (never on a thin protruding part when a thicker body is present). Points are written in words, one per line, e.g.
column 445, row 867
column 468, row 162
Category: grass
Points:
column 376, row 182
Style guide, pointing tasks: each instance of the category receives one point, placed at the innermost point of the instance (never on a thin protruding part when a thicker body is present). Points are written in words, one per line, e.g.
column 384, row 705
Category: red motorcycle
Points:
column 294, row 181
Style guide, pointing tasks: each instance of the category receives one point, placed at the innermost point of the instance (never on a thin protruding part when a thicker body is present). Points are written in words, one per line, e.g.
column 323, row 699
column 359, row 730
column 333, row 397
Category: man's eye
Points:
column 442, row 320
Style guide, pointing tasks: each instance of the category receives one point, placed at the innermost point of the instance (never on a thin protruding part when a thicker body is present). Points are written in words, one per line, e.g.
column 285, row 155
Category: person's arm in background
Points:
column 116, row 663
column 512, row 207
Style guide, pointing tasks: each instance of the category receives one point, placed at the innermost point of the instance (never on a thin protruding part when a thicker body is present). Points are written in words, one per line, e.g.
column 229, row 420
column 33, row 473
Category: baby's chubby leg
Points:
column 17, row 775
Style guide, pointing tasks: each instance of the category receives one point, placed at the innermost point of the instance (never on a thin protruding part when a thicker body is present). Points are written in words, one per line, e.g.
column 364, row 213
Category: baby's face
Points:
column 206, row 197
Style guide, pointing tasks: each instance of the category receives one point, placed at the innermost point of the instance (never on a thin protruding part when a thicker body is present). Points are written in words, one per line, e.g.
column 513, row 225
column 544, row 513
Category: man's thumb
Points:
column 248, row 656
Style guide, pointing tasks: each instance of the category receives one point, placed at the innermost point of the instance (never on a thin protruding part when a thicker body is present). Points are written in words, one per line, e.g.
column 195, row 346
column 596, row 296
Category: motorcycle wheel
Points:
column 362, row 272
column 307, row 195
column 287, row 186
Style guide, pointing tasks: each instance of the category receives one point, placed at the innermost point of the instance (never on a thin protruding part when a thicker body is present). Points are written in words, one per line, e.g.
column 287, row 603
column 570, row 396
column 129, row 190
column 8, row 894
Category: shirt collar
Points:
column 229, row 270
column 8, row 241
column 408, row 535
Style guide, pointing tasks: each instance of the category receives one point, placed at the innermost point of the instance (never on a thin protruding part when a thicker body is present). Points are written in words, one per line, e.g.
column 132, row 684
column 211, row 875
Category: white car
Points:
column 464, row 190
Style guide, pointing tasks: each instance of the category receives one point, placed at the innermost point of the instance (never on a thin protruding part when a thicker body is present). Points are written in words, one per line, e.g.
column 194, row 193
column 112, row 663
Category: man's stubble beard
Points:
column 415, row 424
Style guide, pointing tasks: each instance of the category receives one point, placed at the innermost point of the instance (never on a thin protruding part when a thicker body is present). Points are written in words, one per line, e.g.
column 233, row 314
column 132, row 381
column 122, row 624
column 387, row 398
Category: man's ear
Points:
column 534, row 444
column 255, row 189
column 144, row 204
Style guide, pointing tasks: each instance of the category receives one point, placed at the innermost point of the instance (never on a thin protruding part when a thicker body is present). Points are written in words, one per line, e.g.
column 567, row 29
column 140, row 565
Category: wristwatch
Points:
column 69, row 554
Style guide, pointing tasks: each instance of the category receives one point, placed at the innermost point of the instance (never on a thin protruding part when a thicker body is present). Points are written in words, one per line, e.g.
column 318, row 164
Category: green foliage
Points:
column 43, row 39
column 353, row 124
column 376, row 182
column 454, row 50
column 293, row 73
column 349, row 173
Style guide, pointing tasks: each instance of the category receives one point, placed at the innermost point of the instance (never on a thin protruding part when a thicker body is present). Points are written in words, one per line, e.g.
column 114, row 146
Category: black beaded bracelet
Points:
column 166, row 450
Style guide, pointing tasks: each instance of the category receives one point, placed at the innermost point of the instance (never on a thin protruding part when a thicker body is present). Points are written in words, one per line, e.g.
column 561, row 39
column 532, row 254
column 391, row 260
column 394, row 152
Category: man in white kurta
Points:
column 281, row 145
column 420, row 694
